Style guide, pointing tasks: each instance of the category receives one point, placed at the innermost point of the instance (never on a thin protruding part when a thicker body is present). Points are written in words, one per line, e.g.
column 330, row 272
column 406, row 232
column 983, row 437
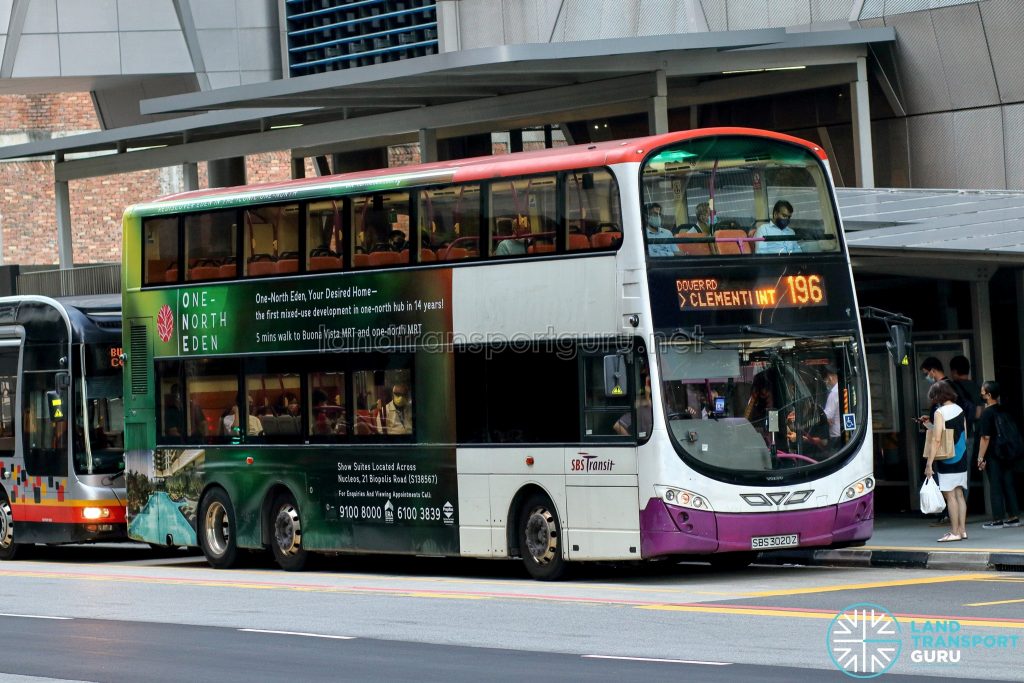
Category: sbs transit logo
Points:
column 165, row 323
column 864, row 640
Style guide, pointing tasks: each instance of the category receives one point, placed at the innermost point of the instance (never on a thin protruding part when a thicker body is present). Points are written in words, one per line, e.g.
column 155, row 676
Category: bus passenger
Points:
column 395, row 417
column 703, row 226
column 396, row 240
column 651, row 216
column 516, row 245
column 644, row 415
column 782, row 213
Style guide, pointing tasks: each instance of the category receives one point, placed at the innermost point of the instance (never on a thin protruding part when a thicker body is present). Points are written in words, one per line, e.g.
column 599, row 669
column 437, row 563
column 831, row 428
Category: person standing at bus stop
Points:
column 1005, row 510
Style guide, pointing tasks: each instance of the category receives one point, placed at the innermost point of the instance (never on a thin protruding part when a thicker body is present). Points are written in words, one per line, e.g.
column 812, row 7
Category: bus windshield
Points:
column 103, row 451
column 725, row 196
column 764, row 404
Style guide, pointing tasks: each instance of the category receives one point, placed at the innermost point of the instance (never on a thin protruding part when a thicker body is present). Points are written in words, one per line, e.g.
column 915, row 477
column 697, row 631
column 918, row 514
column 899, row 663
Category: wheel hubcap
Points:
column 288, row 530
column 218, row 529
column 541, row 535
column 6, row 526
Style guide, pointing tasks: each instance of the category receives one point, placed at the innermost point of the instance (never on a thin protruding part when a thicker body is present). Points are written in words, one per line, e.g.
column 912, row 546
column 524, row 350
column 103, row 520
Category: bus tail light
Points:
column 858, row 488
column 95, row 513
column 682, row 498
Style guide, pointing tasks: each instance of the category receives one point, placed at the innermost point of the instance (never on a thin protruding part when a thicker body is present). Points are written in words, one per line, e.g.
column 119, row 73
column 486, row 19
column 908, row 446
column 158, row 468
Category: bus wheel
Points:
column 732, row 562
column 8, row 548
column 217, row 530
column 540, row 539
column 286, row 534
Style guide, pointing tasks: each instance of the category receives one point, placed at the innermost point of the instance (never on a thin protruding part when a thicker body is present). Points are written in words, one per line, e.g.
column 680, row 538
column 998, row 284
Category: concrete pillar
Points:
column 65, row 252
column 428, row 145
column 694, row 117
column 657, row 106
column 226, row 172
column 190, row 176
column 984, row 354
column 548, row 138
column 863, row 154
column 298, row 168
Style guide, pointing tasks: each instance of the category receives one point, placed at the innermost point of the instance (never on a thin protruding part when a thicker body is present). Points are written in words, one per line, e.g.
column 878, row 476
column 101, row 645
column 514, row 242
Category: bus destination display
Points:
column 789, row 291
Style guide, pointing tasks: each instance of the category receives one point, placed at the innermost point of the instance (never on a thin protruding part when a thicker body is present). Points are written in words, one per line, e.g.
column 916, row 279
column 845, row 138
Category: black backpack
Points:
column 1009, row 446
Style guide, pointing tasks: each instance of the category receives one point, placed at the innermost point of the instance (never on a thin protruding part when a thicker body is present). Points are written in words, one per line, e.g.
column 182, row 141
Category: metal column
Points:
column 65, row 251
column 984, row 353
column 190, row 176
column 863, row 154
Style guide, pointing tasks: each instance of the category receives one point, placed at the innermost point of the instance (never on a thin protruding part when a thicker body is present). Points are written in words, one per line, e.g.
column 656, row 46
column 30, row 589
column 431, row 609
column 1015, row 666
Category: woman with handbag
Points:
column 946, row 448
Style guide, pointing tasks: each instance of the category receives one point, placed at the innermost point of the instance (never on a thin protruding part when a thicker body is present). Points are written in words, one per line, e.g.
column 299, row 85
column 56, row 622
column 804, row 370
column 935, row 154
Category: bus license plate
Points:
column 768, row 542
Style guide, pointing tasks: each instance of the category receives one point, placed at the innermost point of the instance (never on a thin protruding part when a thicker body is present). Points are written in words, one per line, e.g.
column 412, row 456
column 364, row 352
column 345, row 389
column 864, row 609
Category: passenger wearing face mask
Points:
column 395, row 417
column 782, row 213
column 651, row 215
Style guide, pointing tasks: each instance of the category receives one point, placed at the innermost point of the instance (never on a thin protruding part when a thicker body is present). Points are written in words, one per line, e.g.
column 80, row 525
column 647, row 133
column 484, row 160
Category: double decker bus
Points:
column 503, row 357
column 61, row 422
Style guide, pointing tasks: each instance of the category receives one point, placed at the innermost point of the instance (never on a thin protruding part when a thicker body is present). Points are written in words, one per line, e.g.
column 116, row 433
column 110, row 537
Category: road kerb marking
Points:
column 35, row 616
column 659, row 661
column 296, row 633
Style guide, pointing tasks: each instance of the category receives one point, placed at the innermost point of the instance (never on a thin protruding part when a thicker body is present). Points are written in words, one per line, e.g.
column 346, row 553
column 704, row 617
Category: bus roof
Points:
column 519, row 163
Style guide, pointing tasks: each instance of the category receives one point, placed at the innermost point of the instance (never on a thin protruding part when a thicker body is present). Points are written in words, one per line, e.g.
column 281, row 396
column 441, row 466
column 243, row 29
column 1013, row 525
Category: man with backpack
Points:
column 999, row 450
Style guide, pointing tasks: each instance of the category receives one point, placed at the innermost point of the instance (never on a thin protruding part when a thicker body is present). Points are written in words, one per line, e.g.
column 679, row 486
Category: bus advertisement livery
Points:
column 61, row 422
column 621, row 351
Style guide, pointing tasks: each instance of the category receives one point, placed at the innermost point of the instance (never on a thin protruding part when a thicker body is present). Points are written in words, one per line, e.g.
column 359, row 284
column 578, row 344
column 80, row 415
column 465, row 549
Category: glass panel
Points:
column 449, row 222
column 324, row 235
column 212, row 400
column 8, row 394
column 777, row 404
column 275, row 406
column 592, row 207
column 160, row 249
column 104, row 410
column 381, row 225
column 523, row 216
column 327, row 397
column 271, row 241
column 210, row 244
column 736, row 196
column 46, row 440
column 384, row 402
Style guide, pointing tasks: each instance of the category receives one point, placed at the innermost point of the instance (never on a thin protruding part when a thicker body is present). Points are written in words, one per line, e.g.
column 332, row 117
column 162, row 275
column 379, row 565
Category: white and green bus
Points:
column 503, row 357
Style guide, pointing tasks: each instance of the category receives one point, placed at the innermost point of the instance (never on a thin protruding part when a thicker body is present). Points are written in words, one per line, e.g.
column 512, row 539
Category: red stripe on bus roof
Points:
column 519, row 163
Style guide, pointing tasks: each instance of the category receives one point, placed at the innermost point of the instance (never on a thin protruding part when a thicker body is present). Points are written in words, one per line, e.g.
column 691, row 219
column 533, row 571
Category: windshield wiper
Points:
column 107, row 481
column 772, row 332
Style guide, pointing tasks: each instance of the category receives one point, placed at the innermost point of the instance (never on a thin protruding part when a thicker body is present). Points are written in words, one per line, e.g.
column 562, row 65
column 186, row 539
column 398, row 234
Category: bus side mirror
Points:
column 899, row 344
column 615, row 375
column 56, row 406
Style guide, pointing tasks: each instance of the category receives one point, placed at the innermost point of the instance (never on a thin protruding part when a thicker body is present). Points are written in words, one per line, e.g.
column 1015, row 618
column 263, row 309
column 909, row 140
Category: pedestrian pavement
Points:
column 909, row 540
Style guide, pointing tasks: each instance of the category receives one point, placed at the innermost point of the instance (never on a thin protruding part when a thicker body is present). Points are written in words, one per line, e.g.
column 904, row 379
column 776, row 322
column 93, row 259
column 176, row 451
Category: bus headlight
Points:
column 95, row 513
column 682, row 498
column 858, row 488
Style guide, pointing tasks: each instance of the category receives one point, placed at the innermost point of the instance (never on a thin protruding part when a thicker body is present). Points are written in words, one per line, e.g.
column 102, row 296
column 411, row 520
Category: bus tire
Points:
column 8, row 548
column 286, row 533
column 540, row 539
column 217, row 530
column 732, row 562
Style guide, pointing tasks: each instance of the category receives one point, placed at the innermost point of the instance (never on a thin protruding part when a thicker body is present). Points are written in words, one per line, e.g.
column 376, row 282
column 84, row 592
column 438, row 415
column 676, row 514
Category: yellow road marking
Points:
column 994, row 602
column 820, row 614
column 862, row 586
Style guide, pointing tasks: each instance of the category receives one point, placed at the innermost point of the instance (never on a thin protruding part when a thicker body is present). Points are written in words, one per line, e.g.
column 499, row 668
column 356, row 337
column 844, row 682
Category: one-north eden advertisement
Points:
column 375, row 497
